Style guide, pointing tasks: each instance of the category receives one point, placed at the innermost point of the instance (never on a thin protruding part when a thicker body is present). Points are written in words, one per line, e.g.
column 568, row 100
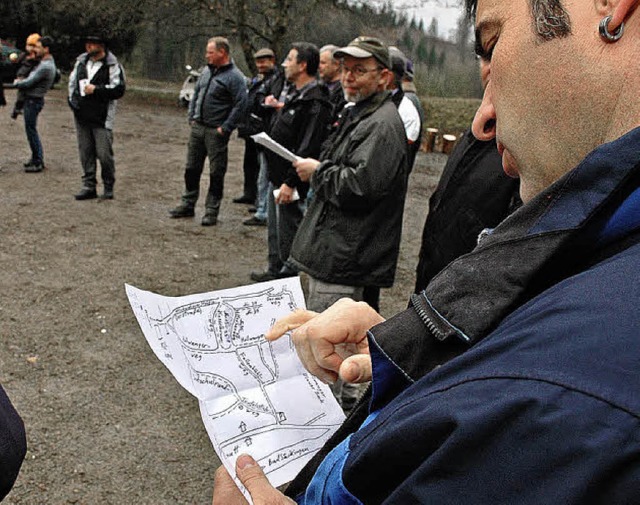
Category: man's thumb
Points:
column 356, row 369
column 251, row 475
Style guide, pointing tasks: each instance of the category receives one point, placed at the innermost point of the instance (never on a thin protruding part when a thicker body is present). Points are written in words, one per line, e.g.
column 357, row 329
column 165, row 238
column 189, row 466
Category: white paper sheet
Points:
column 263, row 139
column 255, row 396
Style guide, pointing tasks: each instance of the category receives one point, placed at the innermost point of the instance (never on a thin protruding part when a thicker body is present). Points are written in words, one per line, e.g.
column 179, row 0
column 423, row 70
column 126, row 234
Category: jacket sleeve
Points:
column 311, row 138
column 13, row 444
column 73, row 86
column 496, row 440
column 38, row 74
column 239, row 93
column 116, row 87
column 374, row 159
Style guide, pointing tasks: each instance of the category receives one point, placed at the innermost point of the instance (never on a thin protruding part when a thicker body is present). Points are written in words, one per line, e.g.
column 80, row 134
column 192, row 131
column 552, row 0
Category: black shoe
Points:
column 28, row 164
column 254, row 221
column 86, row 194
column 34, row 168
column 263, row 276
column 286, row 272
column 107, row 195
column 182, row 210
column 243, row 199
column 252, row 210
column 209, row 219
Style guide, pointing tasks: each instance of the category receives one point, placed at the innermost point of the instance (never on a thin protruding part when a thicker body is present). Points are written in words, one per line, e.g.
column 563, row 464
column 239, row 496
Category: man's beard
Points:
column 355, row 97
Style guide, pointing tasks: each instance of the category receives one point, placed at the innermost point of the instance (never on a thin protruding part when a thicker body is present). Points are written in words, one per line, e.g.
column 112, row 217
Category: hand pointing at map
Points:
column 332, row 342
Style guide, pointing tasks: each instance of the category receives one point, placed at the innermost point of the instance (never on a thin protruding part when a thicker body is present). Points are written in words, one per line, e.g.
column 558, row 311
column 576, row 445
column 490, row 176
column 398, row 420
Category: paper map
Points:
column 263, row 139
column 255, row 396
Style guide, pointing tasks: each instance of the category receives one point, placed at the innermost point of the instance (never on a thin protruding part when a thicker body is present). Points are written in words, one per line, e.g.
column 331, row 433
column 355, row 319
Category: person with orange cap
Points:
column 28, row 61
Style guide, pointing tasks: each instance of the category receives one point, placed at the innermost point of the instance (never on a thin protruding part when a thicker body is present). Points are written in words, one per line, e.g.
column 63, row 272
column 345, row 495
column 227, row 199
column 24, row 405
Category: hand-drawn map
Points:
column 255, row 396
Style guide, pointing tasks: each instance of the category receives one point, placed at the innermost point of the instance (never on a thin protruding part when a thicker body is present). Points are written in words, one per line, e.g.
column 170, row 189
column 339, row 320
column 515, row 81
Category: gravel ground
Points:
column 106, row 422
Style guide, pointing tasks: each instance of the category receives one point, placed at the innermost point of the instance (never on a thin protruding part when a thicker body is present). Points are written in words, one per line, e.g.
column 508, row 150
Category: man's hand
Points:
column 305, row 168
column 272, row 101
column 89, row 89
column 285, row 195
column 333, row 343
column 225, row 491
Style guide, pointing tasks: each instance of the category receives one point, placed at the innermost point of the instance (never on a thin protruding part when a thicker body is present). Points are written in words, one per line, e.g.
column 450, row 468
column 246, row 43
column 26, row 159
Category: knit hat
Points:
column 33, row 39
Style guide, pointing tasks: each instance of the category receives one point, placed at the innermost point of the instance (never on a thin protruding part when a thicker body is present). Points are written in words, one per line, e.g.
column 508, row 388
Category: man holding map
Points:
column 301, row 126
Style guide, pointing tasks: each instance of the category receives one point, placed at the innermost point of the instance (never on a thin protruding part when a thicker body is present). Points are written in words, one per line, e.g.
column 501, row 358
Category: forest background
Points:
column 157, row 38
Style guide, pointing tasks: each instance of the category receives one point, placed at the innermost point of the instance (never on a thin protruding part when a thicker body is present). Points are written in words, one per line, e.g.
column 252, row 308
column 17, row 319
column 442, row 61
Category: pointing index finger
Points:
column 288, row 323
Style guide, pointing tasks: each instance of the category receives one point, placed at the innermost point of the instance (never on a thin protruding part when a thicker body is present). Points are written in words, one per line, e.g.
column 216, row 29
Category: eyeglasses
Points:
column 358, row 71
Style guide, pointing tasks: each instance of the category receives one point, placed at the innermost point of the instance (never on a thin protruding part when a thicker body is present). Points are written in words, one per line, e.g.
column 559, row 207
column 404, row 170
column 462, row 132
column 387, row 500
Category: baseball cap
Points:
column 265, row 52
column 366, row 47
column 398, row 61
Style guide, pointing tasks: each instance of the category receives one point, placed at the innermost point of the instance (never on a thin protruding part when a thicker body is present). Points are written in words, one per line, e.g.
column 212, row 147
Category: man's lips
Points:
column 509, row 164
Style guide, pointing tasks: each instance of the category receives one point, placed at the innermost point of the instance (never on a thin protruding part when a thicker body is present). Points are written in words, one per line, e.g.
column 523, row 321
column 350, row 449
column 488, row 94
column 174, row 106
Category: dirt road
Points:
column 106, row 422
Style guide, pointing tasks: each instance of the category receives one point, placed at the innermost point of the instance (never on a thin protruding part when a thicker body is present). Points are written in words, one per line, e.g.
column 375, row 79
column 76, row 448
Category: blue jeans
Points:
column 263, row 188
column 32, row 107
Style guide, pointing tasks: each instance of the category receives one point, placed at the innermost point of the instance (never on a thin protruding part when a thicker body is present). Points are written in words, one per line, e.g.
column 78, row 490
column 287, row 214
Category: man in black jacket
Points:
column 95, row 85
column 265, row 60
column 301, row 125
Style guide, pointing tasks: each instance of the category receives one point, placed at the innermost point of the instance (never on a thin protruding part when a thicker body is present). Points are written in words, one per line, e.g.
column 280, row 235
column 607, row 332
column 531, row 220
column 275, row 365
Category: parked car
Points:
column 186, row 92
column 8, row 56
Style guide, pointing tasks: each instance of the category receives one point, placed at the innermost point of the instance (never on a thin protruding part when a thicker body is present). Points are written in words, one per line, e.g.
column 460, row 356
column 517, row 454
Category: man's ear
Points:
column 385, row 75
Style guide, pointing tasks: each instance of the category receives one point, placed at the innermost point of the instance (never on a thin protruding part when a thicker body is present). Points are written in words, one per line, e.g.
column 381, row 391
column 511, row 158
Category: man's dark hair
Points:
column 221, row 43
column 47, row 41
column 308, row 53
column 550, row 18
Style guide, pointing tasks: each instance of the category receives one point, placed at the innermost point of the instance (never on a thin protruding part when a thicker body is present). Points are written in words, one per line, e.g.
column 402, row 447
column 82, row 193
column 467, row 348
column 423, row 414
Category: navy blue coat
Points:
column 543, row 405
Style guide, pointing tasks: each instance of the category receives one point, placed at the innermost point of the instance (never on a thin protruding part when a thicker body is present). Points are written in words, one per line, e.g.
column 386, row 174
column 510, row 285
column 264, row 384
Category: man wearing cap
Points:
column 265, row 60
column 95, row 84
column 35, row 87
column 350, row 235
column 218, row 105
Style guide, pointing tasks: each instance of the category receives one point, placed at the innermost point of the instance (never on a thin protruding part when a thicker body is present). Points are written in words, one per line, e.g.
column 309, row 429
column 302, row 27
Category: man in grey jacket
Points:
column 35, row 87
column 218, row 105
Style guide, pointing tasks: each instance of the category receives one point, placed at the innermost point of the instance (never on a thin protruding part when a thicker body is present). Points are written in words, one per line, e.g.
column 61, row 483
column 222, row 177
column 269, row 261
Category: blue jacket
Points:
column 543, row 407
column 219, row 98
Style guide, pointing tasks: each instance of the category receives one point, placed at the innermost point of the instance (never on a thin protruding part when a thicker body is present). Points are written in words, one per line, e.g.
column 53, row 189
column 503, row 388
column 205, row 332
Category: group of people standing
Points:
column 336, row 212
column 95, row 84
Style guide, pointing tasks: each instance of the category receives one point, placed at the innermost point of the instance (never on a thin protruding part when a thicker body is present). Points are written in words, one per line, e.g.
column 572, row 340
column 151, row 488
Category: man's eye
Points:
column 484, row 53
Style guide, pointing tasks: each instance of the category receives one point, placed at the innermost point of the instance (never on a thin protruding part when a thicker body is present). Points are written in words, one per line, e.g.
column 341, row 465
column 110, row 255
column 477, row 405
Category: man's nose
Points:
column 484, row 122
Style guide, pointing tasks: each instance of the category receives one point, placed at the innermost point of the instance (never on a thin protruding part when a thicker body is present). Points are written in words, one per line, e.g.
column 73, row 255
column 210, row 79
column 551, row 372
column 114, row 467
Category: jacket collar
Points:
column 566, row 225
